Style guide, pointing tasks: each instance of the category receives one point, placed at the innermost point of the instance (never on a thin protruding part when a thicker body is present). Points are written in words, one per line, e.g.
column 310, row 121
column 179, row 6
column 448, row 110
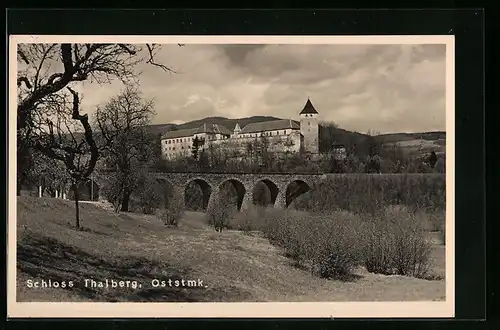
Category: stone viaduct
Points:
column 211, row 184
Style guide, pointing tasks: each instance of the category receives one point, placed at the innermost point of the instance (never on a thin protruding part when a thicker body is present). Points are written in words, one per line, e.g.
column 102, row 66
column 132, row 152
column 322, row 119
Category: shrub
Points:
column 333, row 247
column 395, row 243
column 362, row 193
column 285, row 228
column 112, row 190
column 248, row 219
column 149, row 198
column 333, row 244
column 173, row 211
column 327, row 243
column 194, row 197
column 221, row 209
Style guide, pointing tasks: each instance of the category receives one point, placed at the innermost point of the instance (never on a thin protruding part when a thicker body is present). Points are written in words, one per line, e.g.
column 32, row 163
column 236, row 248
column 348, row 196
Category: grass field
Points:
column 233, row 266
column 424, row 146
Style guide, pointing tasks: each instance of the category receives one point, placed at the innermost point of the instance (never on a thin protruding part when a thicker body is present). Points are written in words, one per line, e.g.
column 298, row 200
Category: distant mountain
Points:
column 158, row 129
column 226, row 122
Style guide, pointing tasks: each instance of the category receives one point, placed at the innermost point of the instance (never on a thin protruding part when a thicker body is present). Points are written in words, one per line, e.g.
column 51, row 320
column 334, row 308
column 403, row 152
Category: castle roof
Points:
column 180, row 133
column 273, row 125
column 205, row 128
column 213, row 129
column 308, row 108
column 237, row 128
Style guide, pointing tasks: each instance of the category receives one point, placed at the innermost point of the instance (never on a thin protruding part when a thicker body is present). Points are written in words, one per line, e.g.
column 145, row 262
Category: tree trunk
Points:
column 125, row 199
column 77, row 206
column 117, row 202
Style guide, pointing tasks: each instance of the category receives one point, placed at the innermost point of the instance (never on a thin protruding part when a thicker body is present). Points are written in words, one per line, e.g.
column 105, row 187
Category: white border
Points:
column 225, row 310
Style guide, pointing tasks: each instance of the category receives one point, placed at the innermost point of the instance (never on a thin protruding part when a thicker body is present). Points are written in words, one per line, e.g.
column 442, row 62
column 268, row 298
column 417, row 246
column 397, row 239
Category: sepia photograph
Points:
column 253, row 176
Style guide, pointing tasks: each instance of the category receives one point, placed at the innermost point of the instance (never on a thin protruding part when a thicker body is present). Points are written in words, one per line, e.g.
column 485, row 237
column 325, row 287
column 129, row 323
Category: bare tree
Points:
column 46, row 70
column 128, row 145
column 58, row 138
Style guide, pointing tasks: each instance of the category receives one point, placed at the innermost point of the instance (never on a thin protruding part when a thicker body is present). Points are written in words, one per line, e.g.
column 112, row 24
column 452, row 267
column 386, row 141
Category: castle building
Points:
column 278, row 136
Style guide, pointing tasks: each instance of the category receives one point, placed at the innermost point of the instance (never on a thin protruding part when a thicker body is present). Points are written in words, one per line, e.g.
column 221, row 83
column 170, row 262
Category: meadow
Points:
column 380, row 222
column 340, row 251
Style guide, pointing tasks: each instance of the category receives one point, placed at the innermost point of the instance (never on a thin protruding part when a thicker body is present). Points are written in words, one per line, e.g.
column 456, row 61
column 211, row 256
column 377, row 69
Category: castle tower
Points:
column 237, row 129
column 309, row 128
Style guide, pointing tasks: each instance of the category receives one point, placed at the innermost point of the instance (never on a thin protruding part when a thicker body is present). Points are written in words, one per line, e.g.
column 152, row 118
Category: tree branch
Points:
column 42, row 62
column 67, row 59
column 23, row 56
column 152, row 61
column 84, row 120
column 127, row 49
column 24, row 80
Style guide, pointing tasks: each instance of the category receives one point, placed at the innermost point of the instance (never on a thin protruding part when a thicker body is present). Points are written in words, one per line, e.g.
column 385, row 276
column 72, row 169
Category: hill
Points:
column 233, row 266
column 422, row 143
column 226, row 122
column 398, row 137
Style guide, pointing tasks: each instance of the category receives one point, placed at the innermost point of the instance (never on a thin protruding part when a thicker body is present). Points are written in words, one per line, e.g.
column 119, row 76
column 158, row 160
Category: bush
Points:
column 333, row 247
column 396, row 243
column 248, row 220
column 194, row 197
column 328, row 243
column 149, row 198
column 285, row 229
column 362, row 193
column 112, row 190
column 334, row 244
column 173, row 211
column 221, row 209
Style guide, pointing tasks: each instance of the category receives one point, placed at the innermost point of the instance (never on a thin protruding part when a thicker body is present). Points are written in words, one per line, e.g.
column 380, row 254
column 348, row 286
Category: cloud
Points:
column 386, row 88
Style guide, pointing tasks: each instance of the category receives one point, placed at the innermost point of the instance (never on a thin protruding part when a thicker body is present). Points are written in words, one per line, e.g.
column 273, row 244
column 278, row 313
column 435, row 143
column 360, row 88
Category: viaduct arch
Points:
column 283, row 187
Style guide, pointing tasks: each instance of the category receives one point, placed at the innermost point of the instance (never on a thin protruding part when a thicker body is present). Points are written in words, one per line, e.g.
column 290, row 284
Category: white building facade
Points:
column 277, row 136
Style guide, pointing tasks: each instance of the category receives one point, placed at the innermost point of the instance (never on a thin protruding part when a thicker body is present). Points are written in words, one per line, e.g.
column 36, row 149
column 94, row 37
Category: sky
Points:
column 381, row 88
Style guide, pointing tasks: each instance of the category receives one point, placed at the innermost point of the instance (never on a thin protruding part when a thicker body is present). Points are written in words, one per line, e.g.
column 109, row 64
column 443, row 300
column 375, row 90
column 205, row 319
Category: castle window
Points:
column 309, row 123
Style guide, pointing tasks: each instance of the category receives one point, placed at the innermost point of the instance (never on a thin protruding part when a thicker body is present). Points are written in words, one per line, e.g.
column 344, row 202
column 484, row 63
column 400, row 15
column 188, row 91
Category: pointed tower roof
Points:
column 308, row 108
column 237, row 128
